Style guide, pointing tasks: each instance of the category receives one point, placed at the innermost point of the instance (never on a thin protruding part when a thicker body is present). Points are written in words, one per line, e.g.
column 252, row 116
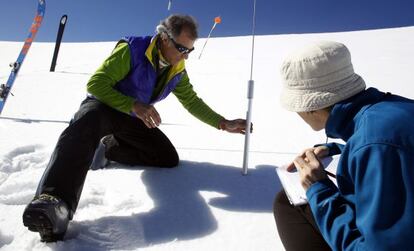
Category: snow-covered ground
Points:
column 205, row 203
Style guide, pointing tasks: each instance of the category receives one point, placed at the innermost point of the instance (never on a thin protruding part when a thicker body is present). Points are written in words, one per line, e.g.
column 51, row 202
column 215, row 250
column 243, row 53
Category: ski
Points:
column 15, row 66
column 62, row 25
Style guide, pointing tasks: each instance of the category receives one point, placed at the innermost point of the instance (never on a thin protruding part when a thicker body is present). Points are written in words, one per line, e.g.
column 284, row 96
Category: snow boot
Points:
column 47, row 215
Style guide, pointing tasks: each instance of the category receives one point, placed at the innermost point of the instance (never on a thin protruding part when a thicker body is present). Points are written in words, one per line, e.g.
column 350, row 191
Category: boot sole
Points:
column 37, row 220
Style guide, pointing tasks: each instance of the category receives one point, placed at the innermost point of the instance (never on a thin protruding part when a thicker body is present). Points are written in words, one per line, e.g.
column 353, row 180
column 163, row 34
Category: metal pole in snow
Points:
column 250, row 99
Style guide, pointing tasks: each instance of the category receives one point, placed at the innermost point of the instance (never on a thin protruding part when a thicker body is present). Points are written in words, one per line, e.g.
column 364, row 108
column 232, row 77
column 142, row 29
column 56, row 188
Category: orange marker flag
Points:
column 217, row 20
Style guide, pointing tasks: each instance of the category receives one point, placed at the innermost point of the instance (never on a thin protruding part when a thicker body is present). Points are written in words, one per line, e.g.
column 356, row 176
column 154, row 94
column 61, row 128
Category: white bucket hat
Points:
column 318, row 76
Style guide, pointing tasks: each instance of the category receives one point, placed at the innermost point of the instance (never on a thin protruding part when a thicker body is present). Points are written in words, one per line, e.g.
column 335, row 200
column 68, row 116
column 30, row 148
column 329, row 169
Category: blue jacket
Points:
column 141, row 80
column 373, row 206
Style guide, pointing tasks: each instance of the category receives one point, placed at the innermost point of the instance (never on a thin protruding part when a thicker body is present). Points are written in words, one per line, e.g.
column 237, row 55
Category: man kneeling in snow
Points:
column 119, row 115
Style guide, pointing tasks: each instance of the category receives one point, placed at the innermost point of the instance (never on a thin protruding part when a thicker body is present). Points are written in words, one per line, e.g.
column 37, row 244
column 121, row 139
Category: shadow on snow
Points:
column 180, row 212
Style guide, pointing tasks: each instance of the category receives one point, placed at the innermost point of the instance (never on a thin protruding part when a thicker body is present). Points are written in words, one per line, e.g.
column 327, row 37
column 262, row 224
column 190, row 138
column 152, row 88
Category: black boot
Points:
column 47, row 215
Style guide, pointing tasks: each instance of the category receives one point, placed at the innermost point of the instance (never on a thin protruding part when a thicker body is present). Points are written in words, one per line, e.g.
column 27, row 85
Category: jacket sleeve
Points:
column 366, row 213
column 113, row 69
column 188, row 98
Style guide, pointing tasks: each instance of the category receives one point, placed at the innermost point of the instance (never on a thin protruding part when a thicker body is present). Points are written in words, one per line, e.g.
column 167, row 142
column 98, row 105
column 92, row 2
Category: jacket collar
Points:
column 345, row 114
column 150, row 56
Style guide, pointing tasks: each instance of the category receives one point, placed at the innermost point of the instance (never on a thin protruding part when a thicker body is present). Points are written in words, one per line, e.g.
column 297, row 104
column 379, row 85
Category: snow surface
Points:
column 205, row 203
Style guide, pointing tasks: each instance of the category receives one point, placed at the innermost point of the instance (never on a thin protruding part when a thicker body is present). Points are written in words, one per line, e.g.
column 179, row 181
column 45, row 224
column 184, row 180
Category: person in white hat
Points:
column 372, row 206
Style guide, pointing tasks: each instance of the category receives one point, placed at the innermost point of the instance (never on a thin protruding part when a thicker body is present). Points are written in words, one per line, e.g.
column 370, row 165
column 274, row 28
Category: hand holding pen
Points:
column 310, row 168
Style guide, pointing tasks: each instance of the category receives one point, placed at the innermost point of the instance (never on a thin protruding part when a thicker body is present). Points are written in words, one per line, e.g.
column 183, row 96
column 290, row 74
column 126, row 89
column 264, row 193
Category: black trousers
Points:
column 296, row 226
column 135, row 145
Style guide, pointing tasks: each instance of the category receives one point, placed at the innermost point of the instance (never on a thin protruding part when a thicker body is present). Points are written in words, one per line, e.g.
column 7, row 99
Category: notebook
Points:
column 291, row 180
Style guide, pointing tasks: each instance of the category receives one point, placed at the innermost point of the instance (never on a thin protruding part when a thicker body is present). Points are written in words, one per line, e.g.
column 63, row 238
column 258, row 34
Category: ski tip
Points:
column 41, row 7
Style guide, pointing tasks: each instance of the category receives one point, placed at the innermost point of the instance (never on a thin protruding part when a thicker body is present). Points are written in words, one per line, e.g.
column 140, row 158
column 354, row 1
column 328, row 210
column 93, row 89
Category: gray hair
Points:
column 176, row 23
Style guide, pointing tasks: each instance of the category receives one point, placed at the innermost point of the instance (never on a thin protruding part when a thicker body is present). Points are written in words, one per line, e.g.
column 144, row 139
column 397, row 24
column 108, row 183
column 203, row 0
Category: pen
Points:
column 330, row 174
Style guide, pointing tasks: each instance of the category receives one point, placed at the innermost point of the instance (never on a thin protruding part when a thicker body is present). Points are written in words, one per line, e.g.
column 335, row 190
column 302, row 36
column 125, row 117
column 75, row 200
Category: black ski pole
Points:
column 62, row 24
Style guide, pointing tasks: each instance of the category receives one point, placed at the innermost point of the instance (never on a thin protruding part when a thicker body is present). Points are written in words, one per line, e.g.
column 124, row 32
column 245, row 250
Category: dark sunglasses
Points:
column 180, row 48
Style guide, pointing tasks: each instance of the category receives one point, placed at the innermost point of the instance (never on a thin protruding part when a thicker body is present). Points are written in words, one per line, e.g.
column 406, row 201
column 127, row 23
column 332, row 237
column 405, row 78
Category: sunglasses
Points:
column 180, row 48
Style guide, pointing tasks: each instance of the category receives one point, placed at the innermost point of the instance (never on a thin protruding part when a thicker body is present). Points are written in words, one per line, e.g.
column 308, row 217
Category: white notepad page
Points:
column 291, row 180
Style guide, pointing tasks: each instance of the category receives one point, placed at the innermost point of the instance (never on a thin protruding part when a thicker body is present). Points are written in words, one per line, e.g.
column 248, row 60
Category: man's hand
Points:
column 234, row 126
column 148, row 114
column 310, row 169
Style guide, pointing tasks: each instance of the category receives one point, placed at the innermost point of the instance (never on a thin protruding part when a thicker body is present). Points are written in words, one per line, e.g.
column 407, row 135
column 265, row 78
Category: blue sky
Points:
column 103, row 20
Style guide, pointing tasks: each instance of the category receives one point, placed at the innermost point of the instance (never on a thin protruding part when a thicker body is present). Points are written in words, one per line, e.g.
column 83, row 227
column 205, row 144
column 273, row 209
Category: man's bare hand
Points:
column 148, row 114
column 234, row 126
